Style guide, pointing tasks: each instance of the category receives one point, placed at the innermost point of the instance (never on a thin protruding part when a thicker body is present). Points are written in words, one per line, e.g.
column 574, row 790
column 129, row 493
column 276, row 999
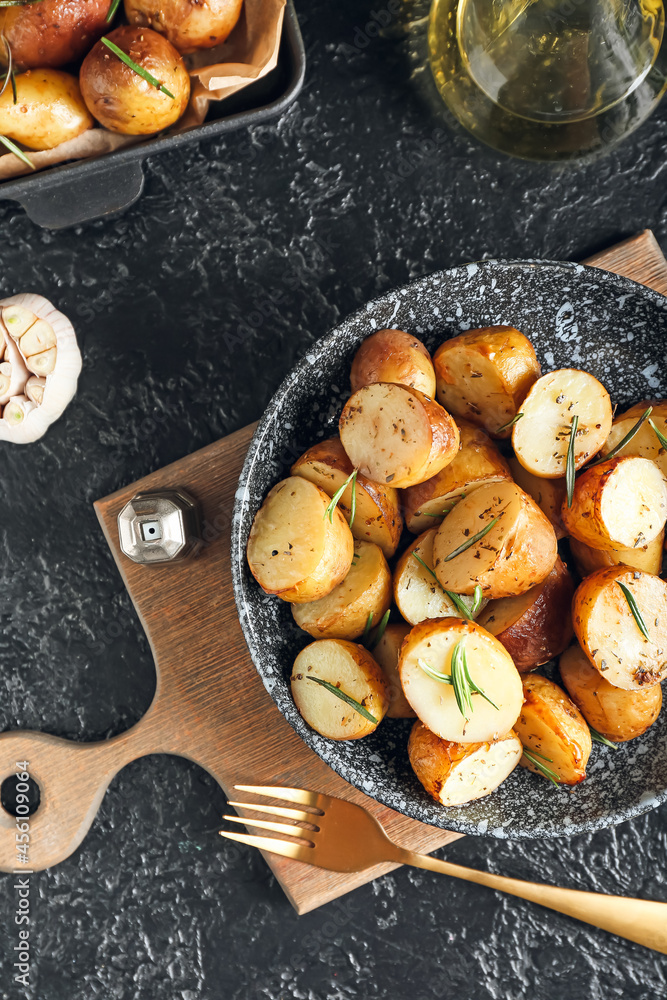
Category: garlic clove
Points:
column 40, row 337
column 5, row 378
column 44, row 363
column 18, row 320
column 16, row 410
column 34, row 389
column 14, row 367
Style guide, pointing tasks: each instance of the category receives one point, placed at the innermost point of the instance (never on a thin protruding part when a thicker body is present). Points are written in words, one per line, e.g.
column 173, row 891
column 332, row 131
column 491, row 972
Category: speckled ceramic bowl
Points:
column 575, row 316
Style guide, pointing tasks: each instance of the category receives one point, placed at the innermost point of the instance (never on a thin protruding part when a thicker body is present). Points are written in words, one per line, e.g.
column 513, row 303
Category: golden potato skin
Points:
column 393, row 356
column 188, row 24
column 49, row 109
column 123, row 101
column 587, row 559
column 617, row 714
column 551, row 724
column 386, row 653
column 52, row 33
column 548, row 494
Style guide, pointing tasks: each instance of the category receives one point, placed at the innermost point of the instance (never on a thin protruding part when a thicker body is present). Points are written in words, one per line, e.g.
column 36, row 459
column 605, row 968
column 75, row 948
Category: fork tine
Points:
column 288, row 850
column 295, row 814
column 299, row 795
column 263, row 824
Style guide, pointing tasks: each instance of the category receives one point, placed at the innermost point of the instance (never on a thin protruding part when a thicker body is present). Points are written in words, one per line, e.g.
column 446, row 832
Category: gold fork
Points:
column 344, row 837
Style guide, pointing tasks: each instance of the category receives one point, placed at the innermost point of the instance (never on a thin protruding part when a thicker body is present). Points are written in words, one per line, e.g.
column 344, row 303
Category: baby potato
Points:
column 542, row 436
column 123, row 101
column 548, row 494
column 454, row 773
column 393, row 356
column 188, row 25
column 48, row 110
column 397, row 436
column 648, row 558
column 609, row 633
column 645, row 443
column 617, row 714
column 377, row 515
column 343, row 613
column 477, row 463
column 351, row 670
column 517, row 552
column 535, row 626
column 618, row 503
column 552, row 727
column 294, row 550
column 417, row 593
column 490, row 666
column 386, row 653
column 52, row 33
column 483, row 375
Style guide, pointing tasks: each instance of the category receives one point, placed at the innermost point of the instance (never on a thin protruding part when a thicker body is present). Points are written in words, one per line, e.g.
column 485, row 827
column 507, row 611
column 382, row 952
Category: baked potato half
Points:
column 393, row 356
column 417, row 592
column 386, row 652
column 352, row 671
column 552, row 728
column 483, row 375
column 548, row 494
column 648, row 558
column 645, row 443
column 616, row 714
column 454, row 773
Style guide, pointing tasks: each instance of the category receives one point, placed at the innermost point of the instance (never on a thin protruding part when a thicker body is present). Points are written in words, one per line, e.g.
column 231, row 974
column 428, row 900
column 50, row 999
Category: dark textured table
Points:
column 190, row 309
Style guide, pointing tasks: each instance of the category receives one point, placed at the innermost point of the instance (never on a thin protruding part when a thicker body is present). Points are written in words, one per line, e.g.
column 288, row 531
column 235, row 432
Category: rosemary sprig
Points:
column 329, row 512
column 379, row 631
column 357, row 706
column 9, row 72
column 510, row 423
column 367, row 629
column 16, row 151
column 599, row 738
column 471, row 541
column 569, row 465
column 636, row 613
column 476, row 600
column 123, row 56
column 445, row 510
column 112, row 10
column 459, row 678
column 624, row 441
column 434, row 674
column 661, row 437
column 454, row 598
column 473, row 687
column 532, row 756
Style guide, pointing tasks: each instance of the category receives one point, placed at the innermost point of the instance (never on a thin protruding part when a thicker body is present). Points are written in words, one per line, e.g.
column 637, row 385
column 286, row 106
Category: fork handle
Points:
column 640, row 920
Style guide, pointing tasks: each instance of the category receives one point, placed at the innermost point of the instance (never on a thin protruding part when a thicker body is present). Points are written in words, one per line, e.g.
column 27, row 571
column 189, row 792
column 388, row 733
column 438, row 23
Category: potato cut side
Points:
column 645, row 443
column 417, row 593
column 386, row 653
column 454, row 773
column 353, row 671
column 393, row 356
column 490, row 667
column 608, row 631
column 535, row 626
column 343, row 613
column 517, row 552
column 552, row 727
column 648, row 558
column 483, row 375
column 541, row 438
column 377, row 515
column 548, row 494
column 618, row 503
column 617, row 714
column 294, row 550
column 397, row 436
column 477, row 463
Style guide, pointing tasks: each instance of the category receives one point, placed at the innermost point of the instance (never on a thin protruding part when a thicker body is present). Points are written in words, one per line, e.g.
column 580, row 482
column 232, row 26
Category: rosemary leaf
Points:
column 636, row 613
column 367, row 629
column 379, row 632
column 661, row 437
column 471, row 541
column 17, row 3
column 532, row 756
column 357, row 706
column 12, row 77
column 112, row 10
column 435, row 675
column 599, row 738
column 454, row 598
column 624, row 441
column 16, row 151
column 569, row 465
column 471, row 683
column 510, row 423
column 462, row 691
column 476, row 600
column 123, row 56
column 329, row 512
column 9, row 74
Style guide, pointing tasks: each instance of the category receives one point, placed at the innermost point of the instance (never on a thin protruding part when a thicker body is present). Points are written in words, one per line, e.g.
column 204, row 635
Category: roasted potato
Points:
column 386, row 653
column 393, row 356
column 618, row 503
column 548, row 494
column 52, row 33
column 188, row 25
column 343, row 613
column 397, row 436
column 125, row 102
column 490, row 666
column 417, row 593
column 617, row 714
column 477, row 463
column 648, row 558
column 294, row 550
column 517, row 552
column 353, row 671
column 483, row 375
column 377, row 516
column 554, row 730
column 608, row 631
column 49, row 109
column 454, row 773
column 535, row 626
column 541, row 437
column 645, row 443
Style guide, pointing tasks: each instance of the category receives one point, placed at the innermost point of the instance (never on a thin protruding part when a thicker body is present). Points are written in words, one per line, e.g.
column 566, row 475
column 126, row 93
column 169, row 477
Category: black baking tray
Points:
column 103, row 185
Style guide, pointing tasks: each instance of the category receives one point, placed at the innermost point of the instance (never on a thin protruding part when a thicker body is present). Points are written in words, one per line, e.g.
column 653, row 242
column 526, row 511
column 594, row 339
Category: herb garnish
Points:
column 112, row 10
column 459, row 678
column 636, row 613
column 471, row 541
column 624, row 441
column 661, row 437
column 369, row 643
column 357, row 706
column 123, row 56
column 9, row 73
column 599, row 738
column 16, row 151
column 510, row 423
column 569, row 465
column 329, row 512
column 532, row 756
column 456, row 599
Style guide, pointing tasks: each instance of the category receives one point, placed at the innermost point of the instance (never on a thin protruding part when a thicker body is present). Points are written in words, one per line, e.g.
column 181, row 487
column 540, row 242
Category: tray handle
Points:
column 68, row 200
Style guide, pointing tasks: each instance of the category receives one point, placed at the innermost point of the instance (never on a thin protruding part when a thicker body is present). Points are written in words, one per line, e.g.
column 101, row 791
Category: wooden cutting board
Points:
column 210, row 705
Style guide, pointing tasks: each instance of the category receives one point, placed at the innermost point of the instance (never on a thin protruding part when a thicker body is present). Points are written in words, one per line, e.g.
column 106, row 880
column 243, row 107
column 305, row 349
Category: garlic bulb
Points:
column 44, row 365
